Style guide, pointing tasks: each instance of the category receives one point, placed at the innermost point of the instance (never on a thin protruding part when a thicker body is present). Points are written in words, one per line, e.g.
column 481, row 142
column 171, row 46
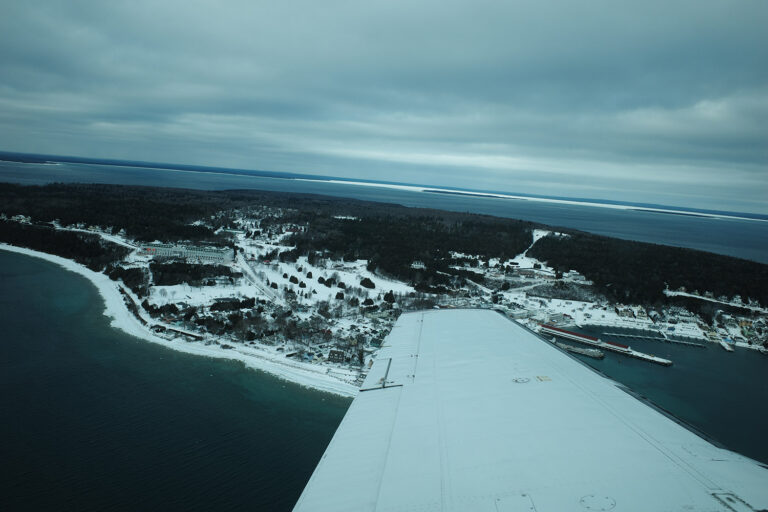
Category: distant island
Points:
column 307, row 287
column 32, row 158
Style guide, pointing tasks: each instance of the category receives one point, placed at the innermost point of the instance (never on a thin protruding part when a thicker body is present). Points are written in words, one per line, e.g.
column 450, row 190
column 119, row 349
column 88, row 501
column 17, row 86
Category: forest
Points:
column 391, row 237
column 637, row 272
column 145, row 213
column 176, row 272
column 391, row 244
column 86, row 249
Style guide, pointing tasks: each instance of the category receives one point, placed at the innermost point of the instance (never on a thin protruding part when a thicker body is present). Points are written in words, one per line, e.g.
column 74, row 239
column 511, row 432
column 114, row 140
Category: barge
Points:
column 589, row 352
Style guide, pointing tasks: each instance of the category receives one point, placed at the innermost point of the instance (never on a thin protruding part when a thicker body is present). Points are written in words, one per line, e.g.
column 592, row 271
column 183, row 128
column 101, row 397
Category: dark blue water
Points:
column 92, row 419
column 741, row 238
column 722, row 394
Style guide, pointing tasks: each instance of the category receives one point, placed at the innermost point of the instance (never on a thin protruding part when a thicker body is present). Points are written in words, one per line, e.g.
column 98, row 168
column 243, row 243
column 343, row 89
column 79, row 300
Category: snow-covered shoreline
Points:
column 304, row 374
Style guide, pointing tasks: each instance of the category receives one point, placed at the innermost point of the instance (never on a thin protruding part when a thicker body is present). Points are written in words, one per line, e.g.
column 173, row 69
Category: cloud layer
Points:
column 657, row 102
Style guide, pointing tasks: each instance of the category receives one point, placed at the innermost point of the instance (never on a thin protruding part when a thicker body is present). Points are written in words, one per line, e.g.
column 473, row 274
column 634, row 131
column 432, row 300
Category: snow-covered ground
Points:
column 199, row 295
column 347, row 324
column 349, row 273
column 520, row 261
column 523, row 261
column 751, row 307
column 571, row 312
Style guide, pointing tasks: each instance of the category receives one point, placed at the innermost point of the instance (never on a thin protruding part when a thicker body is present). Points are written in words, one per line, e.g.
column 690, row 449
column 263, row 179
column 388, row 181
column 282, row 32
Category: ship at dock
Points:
column 589, row 352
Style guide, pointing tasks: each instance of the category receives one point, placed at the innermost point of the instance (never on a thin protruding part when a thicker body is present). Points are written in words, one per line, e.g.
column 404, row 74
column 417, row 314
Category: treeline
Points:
column 638, row 272
column 151, row 213
column 233, row 304
column 144, row 213
column 86, row 249
column 134, row 278
column 167, row 214
column 170, row 274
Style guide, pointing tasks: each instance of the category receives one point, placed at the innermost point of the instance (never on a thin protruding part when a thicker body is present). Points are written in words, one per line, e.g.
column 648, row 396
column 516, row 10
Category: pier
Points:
column 654, row 338
column 606, row 345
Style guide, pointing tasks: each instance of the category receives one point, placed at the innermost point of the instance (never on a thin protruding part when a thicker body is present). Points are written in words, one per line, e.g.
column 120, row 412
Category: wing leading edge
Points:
column 466, row 410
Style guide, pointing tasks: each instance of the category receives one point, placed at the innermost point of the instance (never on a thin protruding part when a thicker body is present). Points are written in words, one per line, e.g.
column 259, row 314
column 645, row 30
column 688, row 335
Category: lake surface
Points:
column 97, row 420
column 93, row 419
column 733, row 237
column 722, row 394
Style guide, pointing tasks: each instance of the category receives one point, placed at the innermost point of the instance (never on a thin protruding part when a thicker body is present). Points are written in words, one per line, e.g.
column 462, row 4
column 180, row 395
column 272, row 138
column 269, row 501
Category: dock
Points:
column 654, row 338
column 605, row 345
column 636, row 336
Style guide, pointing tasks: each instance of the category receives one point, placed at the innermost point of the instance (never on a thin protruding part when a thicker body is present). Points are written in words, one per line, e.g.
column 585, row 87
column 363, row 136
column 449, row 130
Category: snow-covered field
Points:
column 350, row 273
column 199, row 295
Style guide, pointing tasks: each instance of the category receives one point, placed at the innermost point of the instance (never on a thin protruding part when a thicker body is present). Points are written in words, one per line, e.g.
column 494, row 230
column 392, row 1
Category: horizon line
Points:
column 43, row 158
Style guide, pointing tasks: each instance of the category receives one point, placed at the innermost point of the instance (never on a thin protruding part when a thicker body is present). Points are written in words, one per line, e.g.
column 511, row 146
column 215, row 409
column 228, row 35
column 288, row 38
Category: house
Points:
column 336, row 356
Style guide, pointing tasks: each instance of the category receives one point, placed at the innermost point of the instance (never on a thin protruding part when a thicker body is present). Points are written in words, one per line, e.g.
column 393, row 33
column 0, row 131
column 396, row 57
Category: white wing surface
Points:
column 464, row 410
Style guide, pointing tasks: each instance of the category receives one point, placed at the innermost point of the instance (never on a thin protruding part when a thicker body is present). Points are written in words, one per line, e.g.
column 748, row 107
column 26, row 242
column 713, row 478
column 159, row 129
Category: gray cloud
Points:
column 656, row 102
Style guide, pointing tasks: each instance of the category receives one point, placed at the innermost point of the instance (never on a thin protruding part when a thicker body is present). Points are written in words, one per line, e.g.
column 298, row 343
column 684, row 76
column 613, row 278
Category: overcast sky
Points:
column 652, row 101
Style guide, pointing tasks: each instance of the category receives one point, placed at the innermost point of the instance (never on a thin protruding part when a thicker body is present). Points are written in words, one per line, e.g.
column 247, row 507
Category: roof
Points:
column 466, row 410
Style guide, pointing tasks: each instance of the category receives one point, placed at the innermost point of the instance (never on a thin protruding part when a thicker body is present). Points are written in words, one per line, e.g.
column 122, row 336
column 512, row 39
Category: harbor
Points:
column 605, row 345
column 655, row 338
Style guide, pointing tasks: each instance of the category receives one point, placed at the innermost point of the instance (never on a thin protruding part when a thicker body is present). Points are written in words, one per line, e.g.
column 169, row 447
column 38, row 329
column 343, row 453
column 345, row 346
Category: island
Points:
column 308, row 287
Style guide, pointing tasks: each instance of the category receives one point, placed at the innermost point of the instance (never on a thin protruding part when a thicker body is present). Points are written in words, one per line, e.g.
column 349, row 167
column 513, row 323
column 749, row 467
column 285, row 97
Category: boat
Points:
column 589, row 352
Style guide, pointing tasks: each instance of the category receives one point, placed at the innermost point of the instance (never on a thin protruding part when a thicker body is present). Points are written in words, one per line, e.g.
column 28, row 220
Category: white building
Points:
column 190, row 253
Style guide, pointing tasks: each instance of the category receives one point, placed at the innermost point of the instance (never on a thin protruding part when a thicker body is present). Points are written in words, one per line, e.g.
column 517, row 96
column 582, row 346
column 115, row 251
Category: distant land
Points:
column 583, row 201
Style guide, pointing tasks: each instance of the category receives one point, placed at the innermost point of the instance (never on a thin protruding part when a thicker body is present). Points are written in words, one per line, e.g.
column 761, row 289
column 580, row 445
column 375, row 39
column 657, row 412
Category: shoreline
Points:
column 302, row 374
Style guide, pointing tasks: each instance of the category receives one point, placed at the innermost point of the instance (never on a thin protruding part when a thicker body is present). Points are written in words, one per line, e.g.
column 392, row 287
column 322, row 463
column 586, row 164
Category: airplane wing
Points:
column 464, row 410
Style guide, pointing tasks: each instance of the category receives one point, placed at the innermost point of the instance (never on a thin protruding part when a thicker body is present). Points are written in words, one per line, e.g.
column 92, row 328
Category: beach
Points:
column 304, row 374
